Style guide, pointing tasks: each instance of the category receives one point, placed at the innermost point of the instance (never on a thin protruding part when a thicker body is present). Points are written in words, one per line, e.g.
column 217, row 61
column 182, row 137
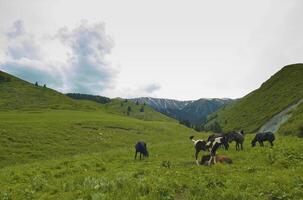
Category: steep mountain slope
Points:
column 193, row 111
column 282, row 90
column 294, row 125
column 198, row 110
column 162, row 104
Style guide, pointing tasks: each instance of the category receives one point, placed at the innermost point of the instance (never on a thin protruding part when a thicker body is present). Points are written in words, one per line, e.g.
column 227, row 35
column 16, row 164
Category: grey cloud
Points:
column 90, row 71
column 86, row 69
column 152, row 88
column 21, row 44
column 16, row 30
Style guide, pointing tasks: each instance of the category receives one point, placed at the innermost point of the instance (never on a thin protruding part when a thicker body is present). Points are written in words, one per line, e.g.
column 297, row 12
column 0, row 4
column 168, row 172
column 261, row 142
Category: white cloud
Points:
column 85, row 69
column 21, row 44
column 145, row 90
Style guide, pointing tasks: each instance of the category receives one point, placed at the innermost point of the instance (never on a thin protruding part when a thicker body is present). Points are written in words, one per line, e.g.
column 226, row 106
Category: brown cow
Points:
column 219, row 158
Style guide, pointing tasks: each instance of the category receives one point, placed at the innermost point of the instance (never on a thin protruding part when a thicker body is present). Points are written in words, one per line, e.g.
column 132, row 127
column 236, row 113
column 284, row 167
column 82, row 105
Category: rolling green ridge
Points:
column 95, row 98
column 16, row 94
column 252, row 111
column 120, row 107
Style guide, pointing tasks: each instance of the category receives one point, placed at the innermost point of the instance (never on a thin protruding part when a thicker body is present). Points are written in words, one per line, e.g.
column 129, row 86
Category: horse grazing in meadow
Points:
column 142, row 149
column 261, row 137
column 238, row 137
column 200, row 145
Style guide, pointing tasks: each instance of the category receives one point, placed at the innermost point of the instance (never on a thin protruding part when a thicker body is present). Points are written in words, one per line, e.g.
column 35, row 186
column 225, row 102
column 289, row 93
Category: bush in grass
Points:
column 166, row 164
column 5, row 196
column 139, row 173
column 38, row 183
column 143, row 187
column 165, row 193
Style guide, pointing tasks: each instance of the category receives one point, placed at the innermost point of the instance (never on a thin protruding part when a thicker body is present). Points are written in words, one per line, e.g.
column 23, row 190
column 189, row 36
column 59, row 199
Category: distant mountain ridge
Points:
column 195, row 111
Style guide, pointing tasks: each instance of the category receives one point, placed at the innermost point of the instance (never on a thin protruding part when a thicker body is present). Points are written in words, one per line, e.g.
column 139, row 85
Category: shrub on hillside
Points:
column 4, row 79
column 96, row 98
column 129, row 109
column 214, row 127
column 300, row 133
column 142, row 109
column 185, row 123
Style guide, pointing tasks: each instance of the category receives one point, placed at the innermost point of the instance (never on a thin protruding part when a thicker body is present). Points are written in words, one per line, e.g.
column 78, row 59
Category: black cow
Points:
column 142, row 149
column 261, row 137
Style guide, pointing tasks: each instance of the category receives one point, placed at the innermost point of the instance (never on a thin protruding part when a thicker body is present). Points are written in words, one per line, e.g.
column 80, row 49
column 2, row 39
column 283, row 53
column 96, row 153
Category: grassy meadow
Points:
column 63, row 154
column 55, row 147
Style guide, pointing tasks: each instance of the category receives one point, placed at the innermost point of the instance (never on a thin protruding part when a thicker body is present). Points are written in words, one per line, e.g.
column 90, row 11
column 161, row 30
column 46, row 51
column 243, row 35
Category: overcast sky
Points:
column 161, row 48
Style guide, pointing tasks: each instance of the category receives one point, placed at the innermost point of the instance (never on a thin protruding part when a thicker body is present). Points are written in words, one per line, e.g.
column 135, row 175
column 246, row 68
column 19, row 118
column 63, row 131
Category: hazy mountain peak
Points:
column 194, row 111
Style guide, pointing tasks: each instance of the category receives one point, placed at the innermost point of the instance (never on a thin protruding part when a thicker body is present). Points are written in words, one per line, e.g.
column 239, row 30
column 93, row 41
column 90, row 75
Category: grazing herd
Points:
column 213, row 143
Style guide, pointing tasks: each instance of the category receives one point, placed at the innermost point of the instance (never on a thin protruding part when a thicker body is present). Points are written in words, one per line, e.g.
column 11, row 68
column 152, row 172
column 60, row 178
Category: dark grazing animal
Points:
column 219, row 141
column 261, row 137
column 212, row 138
column 218, row 158
column 238, row 137
column 142, row 149
column 200, row 145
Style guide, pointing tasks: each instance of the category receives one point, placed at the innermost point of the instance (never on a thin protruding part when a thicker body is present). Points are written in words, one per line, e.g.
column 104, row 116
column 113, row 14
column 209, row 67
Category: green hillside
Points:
column 138, row 111
column 252, row 111
column 16, row 94
column 294, row 125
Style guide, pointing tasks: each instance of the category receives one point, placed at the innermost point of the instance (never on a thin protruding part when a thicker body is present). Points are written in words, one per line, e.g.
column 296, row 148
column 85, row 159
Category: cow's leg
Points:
column 271, row 143
column 140, row 155
column 196, row 156
column 209, row 162
column 241, row 145
column 212, row 158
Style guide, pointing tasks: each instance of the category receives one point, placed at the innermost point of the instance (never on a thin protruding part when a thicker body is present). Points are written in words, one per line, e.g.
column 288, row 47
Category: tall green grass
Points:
column 90, row 155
